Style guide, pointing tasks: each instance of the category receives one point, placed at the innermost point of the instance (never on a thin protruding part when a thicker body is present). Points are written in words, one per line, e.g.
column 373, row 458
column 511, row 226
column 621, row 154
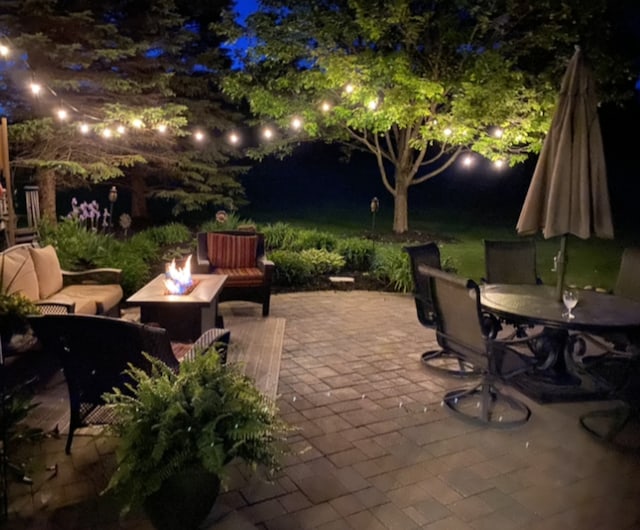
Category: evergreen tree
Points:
column 125, row 70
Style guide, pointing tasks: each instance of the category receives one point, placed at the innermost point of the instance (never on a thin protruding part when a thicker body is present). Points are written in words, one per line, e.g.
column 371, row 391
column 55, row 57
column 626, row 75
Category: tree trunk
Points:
column 400, row 206
column 138, row 197
column 47, row 195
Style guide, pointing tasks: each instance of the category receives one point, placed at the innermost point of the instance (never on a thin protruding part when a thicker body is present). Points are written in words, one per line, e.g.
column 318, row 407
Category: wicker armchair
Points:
column 94, row 351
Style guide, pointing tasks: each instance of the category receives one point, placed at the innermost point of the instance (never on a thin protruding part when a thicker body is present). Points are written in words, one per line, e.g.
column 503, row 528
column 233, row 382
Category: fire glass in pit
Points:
column 178, row 279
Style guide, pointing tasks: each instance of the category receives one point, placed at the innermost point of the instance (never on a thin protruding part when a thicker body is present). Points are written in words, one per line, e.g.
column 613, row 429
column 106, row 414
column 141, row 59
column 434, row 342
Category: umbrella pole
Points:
column 561, row 267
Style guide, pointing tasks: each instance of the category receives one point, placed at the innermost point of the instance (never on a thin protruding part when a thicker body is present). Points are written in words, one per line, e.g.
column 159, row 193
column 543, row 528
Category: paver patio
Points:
column 375, row 448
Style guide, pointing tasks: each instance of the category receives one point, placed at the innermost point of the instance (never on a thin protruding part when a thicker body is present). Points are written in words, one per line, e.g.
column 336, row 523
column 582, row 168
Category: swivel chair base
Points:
column 485, row 405
column 447, row 363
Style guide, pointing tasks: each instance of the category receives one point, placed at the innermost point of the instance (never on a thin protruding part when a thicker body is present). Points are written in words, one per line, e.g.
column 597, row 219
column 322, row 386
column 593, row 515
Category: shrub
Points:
column 171, row 234
column 278, row 236
column 391, row 266
column 357, row 253
column 291, row 269
column 77, row 248
column 311, row 238
column 322, row 261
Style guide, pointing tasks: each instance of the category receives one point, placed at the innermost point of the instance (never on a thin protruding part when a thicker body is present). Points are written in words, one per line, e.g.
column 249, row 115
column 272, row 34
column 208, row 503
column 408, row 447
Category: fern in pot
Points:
column 181, row 430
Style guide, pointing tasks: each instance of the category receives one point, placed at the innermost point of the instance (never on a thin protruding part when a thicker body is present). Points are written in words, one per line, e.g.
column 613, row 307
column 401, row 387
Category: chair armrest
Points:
column 92, row 276
column 56, row 308
column 266, row 266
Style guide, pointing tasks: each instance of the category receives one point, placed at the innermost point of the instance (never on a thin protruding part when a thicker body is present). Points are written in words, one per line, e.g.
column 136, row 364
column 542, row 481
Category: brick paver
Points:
column 376, row 449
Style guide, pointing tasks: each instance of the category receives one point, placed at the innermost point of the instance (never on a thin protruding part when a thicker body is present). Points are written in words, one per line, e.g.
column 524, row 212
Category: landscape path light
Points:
column 113, row 197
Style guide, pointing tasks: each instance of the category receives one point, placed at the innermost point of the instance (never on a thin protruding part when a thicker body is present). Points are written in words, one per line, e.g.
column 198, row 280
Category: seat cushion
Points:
column 19, row 273
column 242, row 277
column 230, row 251
column 88, row 296
column 47, row 265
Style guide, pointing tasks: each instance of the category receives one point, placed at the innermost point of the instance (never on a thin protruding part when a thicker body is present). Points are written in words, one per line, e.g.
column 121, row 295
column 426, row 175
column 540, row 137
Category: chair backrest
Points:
column 234, row 248
column 628, row 281
column 95, row 350
column 458, row 315
column 426, row 254
column 511, row 262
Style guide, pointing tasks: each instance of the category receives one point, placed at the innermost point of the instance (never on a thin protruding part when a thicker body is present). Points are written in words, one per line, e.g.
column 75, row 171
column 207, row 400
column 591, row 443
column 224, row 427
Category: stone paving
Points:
column 375, row 449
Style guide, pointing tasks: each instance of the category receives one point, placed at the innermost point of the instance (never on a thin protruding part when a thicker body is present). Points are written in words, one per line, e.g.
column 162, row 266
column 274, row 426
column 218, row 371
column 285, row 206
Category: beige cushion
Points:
column 47, row 265
column 88, row 296
column 18, row 273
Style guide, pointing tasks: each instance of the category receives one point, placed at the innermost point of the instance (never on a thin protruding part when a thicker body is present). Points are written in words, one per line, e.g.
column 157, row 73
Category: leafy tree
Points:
column 418, row 84
column 109, row 64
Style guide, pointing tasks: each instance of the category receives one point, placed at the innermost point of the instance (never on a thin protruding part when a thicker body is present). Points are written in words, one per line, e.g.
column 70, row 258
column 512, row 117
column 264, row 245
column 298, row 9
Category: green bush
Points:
column 357, row 252
column 77, row 247
column 291, row 269
column 391, row 266
column 171, row 234
column 322, row 261
column 278, row 236
column 311, row 238
column 136, row 270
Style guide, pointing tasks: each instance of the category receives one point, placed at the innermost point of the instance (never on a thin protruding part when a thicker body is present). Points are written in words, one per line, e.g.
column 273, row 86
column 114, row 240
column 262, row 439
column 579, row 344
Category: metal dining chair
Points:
column 440, row 360
column 618, row 364
column 510, row 262
column 459, row 326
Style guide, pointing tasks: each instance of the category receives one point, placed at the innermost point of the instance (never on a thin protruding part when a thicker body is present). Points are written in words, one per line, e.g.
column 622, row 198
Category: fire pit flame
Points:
column 179, row 280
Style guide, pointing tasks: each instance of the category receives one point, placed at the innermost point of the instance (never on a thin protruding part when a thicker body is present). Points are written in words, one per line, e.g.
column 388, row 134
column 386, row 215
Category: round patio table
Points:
column 597, row 313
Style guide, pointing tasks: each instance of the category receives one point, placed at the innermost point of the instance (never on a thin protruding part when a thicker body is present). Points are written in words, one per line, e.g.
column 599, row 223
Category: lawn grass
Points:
column 593, row 262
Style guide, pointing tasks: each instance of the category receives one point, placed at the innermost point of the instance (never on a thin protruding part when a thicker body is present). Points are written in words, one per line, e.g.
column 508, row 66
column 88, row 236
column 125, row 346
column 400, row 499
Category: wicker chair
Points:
column 440, row 360
column 94, row 351
column 460, row 329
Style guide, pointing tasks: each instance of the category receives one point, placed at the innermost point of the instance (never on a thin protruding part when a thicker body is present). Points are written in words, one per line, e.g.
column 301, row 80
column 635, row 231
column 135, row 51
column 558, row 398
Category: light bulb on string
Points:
column 267, row 133
column 84, row 128
column 447, row 132
column 107, row 133
column 349, row 89
column 121, row 129
column 234, row 138
column 62, row 114
column 326, row 106
column 296, row 124
column 372, row 105
column 137, row 123
column 36, row 88
column 4, row 50
column 467, row 161
column 162, row 128
column 199, row 136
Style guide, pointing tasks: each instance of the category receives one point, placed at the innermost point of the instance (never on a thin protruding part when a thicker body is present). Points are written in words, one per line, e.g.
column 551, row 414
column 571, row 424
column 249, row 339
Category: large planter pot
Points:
column 183, row 501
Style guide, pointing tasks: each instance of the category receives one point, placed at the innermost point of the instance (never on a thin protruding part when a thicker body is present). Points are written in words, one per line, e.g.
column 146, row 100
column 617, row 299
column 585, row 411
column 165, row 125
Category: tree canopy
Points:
column 139, row 75
column 418, row 84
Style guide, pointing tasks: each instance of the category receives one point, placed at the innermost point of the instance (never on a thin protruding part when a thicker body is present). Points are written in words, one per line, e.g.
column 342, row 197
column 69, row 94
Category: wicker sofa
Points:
column 36, row 273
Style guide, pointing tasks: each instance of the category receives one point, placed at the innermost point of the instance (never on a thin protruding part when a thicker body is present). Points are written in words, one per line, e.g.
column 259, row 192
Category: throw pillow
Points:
column 47, row 267
column 18, row 273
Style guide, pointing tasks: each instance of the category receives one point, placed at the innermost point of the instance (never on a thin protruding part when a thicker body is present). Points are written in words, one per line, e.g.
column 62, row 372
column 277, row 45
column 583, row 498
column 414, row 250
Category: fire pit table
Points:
column 184, row 316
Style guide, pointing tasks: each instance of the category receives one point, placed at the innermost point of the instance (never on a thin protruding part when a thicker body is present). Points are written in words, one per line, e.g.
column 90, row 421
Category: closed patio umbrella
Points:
column 568, row 193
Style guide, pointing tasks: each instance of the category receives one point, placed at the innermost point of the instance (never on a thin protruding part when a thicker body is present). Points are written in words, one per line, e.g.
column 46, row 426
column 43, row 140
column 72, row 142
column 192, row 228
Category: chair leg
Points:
column 608, row 424
column 446, row 363
column 265, row 306
column 485, row 405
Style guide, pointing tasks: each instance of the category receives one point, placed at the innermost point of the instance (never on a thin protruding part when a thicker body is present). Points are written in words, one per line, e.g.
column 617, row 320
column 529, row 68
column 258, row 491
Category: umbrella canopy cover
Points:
column 568, row 193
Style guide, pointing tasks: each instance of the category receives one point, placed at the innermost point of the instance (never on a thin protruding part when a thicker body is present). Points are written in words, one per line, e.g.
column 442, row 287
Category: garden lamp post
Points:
column 113, row 197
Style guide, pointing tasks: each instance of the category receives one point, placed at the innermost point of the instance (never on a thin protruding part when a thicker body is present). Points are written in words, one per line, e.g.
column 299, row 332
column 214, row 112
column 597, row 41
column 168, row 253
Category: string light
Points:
column 296, row 122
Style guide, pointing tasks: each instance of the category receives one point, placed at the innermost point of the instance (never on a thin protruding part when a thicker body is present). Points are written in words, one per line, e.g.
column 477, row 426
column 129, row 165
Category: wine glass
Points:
column 570, row 300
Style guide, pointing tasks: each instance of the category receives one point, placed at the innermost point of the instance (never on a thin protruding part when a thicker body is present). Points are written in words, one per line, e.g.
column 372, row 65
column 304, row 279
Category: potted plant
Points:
column 14, row 308
column 181, row 430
